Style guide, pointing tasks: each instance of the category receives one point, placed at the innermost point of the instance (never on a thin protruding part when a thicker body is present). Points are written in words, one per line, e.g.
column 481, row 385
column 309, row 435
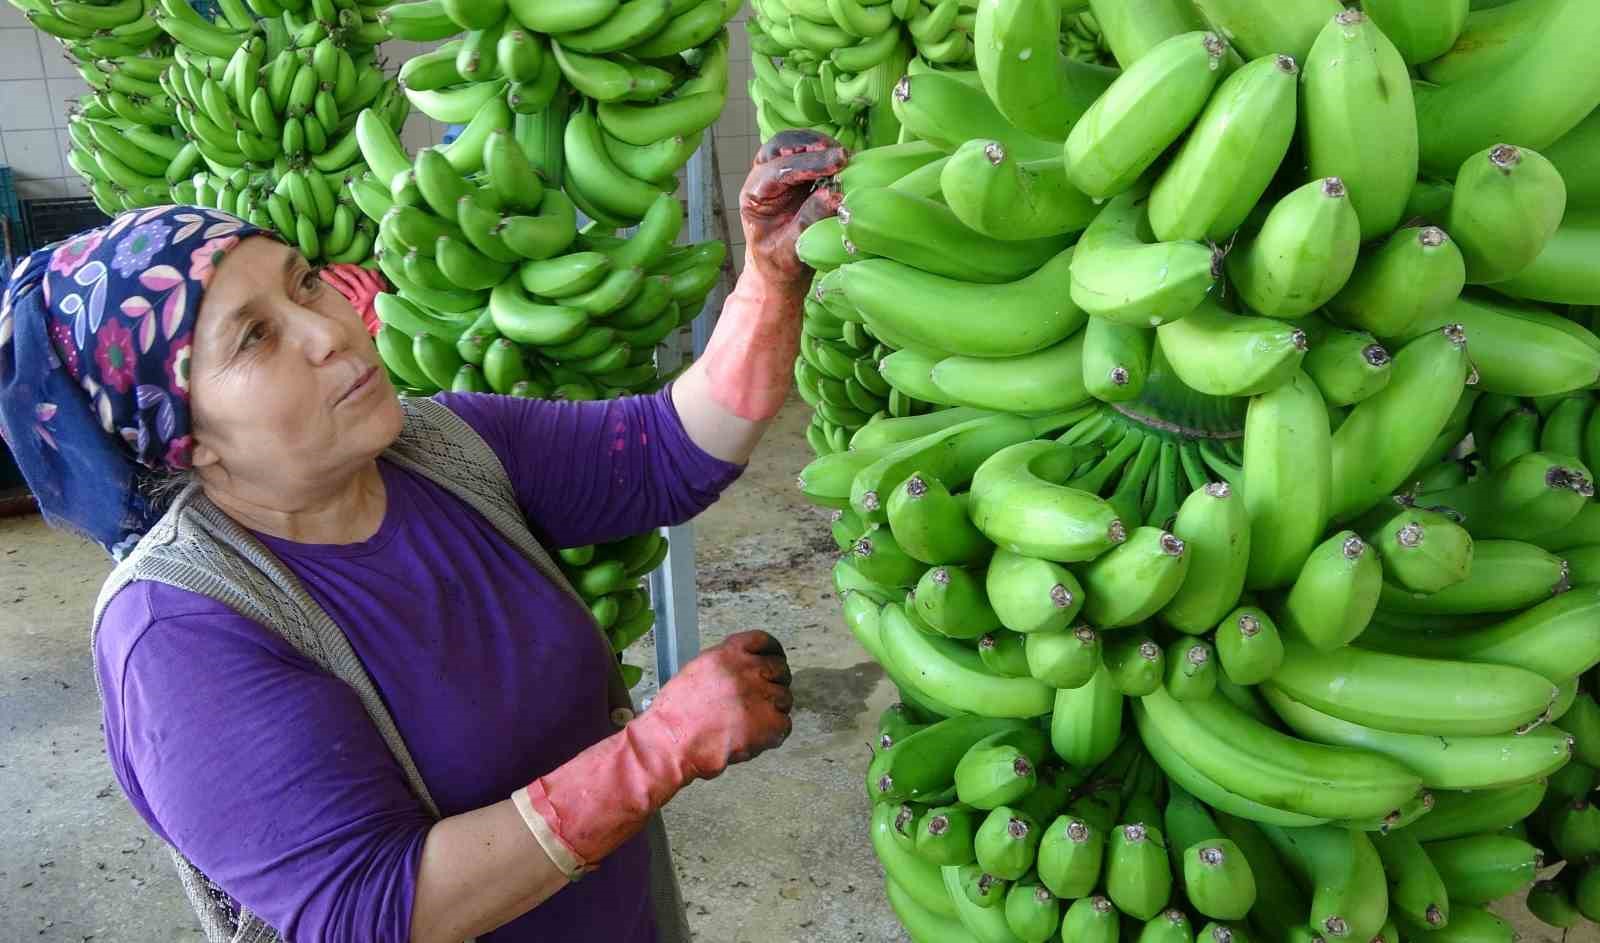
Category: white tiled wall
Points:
column 37, row 84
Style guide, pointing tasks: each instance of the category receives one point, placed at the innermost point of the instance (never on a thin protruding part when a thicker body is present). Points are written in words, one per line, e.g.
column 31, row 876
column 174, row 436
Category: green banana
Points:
column 1459, row 814
column 925, row 234
column 1350, row 896
column 923, row 764
column 956, row 674
column 1264, row 27
column 1286, row 485
column 1249, row 646
column 1387, row 435
column 1032, row 912
column 1482, row 868
column 1225, row 165
column 1024, row 316
column 1547, row 639
column 1116, row 359
column 881, row 560
column 1423, row 551
column 1007, row 843
column 1420, row 31
column 1005, row 653
column 1505, row 575
column 1455, row 762
column 1087, row 720
column 1218, row 880
column 932, row 525
column 952, row 602
column 1508, row 203
column 999, row 769
column 1071, row 854
column 944, row 111
column 1531, row 494
column 1412, row 695
column 1521, row 349
column 919, row 879
column 1118, row 276
column 1265, row 766
column 1017, row 503
column 1028, row 594
column 1092, row 920
column 1138, row 874
column 1347, row 366
column 1191, row 669
column 1038, row 90
column 1067, row 659
column 1144, row 111
column 1335, row 594
column 1552, row 902
column 1304, row 253
column 996, row 194
column 1223, row 354
column 1135, row 579
column 1415, row 886
column 955, row 455
column 1042, row 382
column 1360, row 121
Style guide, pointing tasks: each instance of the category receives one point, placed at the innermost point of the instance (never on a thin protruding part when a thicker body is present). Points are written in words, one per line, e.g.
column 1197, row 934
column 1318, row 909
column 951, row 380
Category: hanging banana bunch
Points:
column 268, row 98
column 123, row 134
column 832, row 65
column 1225, row 519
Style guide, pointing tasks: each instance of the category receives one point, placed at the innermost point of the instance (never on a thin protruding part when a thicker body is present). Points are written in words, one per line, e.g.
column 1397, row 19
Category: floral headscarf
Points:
column 95, row 341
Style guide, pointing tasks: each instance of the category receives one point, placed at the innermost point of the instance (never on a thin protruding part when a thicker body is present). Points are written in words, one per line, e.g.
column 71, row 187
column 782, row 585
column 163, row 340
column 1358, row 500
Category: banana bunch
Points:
column 496, row 288
column 838, row 61
column 652, row 76
column 1258, row 488
column 608, row 576
column 123, row 134
column 269, row 107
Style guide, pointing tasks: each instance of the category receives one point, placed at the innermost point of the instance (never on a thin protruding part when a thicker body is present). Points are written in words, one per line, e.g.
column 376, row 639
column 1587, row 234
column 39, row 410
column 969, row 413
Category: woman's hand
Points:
column 360, row 287
column 728, row 705
column 781, row 197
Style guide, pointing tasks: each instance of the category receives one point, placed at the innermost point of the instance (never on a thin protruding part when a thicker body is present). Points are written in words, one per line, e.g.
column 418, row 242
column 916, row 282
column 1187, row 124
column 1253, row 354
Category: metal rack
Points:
column 672, row 585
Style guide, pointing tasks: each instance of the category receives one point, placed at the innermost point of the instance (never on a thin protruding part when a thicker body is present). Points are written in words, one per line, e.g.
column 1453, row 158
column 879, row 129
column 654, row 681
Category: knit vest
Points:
column 195, row 546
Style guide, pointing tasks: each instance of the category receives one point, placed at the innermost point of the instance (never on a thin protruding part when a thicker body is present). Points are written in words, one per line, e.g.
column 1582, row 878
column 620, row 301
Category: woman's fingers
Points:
column 794, row 141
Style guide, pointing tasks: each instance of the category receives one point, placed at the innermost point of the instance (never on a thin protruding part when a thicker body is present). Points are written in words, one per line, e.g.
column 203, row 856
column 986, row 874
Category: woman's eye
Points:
column 311, row 282
column 252, row 335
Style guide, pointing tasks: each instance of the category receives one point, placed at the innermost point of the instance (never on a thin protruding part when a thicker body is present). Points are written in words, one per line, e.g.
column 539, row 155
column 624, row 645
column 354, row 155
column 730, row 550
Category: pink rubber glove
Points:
column 727, row 706
column 360, row 287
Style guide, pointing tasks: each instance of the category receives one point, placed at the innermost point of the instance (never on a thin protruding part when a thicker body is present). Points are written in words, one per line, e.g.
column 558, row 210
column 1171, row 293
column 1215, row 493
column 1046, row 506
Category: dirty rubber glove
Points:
column 749, row 362
column 360, row 287
column 788, row 189
column 727, row 706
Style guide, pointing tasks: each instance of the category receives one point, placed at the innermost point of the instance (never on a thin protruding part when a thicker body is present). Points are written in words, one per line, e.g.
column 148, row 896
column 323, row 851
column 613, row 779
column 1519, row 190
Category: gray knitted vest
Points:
column 198, row 548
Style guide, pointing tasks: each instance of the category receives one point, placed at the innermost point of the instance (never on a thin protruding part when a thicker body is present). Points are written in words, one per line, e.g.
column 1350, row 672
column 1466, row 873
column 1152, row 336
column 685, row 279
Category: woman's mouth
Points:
column 362, row 385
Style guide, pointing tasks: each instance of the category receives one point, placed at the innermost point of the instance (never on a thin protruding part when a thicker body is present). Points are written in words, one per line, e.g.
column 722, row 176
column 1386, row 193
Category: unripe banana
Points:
column 1521, row 349
column 1119, row 277
column 1092, row 920
column 1132, row 581
column 1508, row 203
column 953, row 603
column 1263, row 27
column 1231, row 155
column 1067, row 659
column 1045, row 381
column 1349, row 894
column 1135, row 665
column 1007, row 843
column 993, row 192
column 1347, row 366
column 1032, row 912
column 1482, row 868
column 1146, row 109
column 1423, row 551
column 1191, row 669
column 1016, row 503
column 1552, row 902
column 1335, row 594
column 1087, row 722
column 1223, row 354
column 1286, row 486
column 1386, row 436
column 1360, row 123
column 1116, row 359
column 1533, row 493
column 1505, row 575
column 1005, row 653
column 1029, row 594
column 1217, row 879
column 1215, row 527
column 999, row 769
column 1138, row 874
column 1304, row 253
column 932, row 525
column 1413, row 274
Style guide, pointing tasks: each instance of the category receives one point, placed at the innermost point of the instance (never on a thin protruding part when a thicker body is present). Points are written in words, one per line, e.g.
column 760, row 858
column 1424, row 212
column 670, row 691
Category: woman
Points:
column 329, row 662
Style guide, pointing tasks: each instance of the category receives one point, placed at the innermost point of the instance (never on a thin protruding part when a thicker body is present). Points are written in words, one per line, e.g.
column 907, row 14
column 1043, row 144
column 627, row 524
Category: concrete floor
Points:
column 773, row 851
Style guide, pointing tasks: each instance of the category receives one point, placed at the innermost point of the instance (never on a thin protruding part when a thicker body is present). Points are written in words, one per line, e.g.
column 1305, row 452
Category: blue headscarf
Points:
column 95, row 340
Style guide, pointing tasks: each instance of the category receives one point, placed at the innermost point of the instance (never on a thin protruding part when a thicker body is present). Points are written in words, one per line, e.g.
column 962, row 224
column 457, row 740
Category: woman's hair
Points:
column 162, row 486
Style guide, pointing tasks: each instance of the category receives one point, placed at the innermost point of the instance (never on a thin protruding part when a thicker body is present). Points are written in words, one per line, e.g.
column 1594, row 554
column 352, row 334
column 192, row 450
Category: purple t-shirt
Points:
column 266, row 772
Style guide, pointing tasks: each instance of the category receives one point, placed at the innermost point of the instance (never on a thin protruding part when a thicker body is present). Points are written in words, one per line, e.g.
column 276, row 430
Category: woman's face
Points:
column 285, row 387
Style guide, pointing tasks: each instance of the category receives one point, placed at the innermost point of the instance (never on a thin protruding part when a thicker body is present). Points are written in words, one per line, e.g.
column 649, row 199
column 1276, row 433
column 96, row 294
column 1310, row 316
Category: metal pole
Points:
column 672, row 586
